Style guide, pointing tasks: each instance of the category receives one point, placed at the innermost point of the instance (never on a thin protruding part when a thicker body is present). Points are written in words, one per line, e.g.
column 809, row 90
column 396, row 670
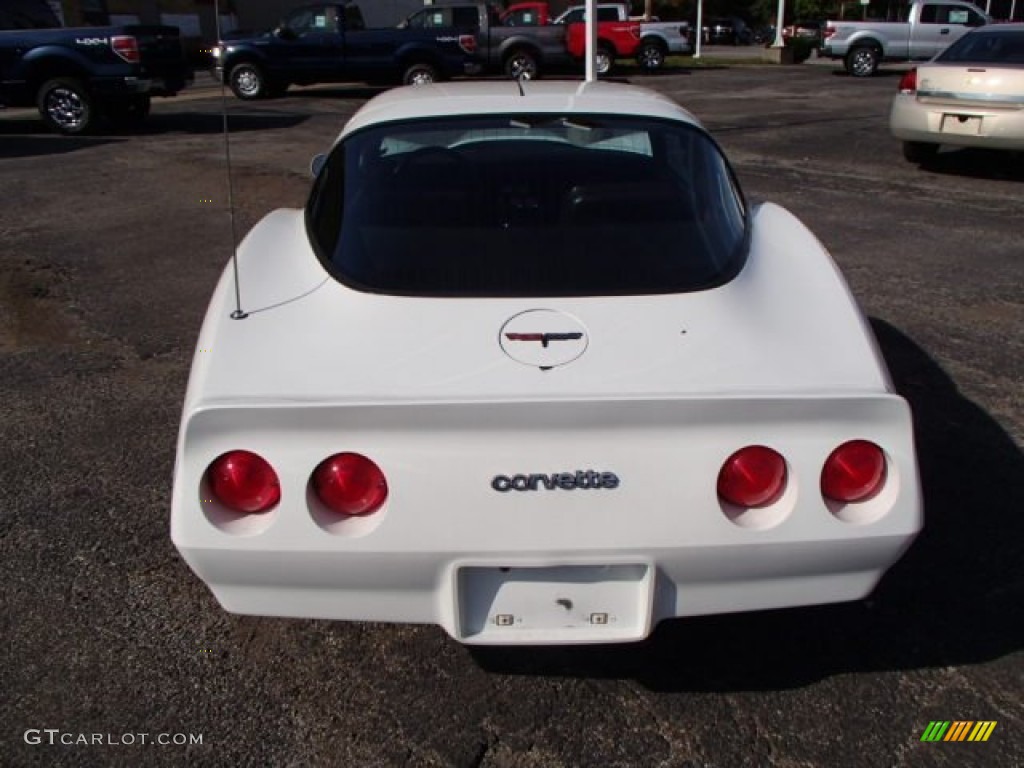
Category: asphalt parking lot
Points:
column 111, row 245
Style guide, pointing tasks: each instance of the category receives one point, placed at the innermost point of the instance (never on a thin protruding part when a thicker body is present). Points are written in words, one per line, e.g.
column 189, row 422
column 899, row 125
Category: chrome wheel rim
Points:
column 247, row 81
column 421, row 77
column 602, row 62
column 65, row 108
column 863, row 62
column 651, row 58
column 521, row 68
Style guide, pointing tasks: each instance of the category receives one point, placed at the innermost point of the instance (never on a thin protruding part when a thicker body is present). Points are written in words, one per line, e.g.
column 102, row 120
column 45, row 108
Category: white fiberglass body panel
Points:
column 311, row 339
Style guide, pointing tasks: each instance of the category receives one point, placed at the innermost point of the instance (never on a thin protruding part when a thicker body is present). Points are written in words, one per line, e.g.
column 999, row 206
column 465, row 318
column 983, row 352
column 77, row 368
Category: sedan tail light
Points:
column 855, row 471
column 754, row 476
column 243, row 482
column 350, row 484
column 908, row 83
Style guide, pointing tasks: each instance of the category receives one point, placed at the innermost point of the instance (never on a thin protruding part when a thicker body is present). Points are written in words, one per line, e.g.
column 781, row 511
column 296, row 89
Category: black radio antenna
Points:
column 238, row 313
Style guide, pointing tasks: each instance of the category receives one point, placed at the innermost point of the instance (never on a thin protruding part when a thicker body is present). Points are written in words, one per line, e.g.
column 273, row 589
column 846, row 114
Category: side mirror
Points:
column 317, row 164
column 285, row 33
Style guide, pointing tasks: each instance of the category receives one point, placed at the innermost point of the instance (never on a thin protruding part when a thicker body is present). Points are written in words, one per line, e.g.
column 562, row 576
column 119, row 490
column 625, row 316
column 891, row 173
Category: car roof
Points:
column 505, row 97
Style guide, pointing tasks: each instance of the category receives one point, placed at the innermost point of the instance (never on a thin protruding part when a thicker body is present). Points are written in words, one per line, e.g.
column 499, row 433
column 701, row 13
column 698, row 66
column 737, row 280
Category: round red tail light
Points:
column 854, row 471
column 350, row 484
column 754, row 476
column 243, row 482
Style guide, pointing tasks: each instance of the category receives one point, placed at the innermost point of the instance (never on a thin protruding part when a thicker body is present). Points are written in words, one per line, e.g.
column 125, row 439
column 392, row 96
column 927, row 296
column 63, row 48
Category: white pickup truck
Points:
column 918, row 31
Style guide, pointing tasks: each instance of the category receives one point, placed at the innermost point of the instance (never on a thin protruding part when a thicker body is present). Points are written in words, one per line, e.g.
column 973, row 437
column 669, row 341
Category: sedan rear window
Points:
column 537, row 205
column 987, row 47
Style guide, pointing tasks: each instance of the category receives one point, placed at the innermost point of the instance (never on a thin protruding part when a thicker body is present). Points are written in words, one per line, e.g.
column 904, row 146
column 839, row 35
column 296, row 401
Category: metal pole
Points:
column 699, row 32
column 779, row 42
column 590, row 18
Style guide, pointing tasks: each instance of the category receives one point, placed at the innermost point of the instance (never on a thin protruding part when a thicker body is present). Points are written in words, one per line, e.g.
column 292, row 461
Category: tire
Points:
column 420, row 73
column 128, row 112
column 651, row 55
column 66, row 106
column 604, row 60
column 522, row 65
column 919, row 152
column 862, row 61
column 247, row 81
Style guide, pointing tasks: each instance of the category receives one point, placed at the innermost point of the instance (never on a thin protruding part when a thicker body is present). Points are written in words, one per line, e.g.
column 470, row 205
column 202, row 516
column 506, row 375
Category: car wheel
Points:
column 419, row 74
column 522, row 65
column 604, row 60
column 247, row 81
column 919, row 151
column 66, row 105
column 651, row 55
column 128, row 112
column 862, row 61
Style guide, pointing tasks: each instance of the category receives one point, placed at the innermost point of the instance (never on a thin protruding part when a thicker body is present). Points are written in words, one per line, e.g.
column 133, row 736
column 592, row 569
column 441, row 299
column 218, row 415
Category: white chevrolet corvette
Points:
column 530, row 367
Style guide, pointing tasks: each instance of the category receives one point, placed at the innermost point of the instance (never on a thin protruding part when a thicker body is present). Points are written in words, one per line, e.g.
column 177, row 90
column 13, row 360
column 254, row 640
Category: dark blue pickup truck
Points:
column 75, row 76
column 329, row 43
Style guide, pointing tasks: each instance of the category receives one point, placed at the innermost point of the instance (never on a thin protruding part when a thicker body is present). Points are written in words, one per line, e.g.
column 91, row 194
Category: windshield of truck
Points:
column 528, row 205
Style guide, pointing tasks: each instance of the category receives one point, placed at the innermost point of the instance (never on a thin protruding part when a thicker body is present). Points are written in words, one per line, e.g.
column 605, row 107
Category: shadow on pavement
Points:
column 878, row 73
column 957, row 597
column 42, row 144
column 203, row 123
column 979, row 164
column 30, row 136
column 339, row 92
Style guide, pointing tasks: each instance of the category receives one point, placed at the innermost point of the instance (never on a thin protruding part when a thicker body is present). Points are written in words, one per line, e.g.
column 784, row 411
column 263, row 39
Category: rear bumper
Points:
column 119, row 87
column 468, row 496
column 507, row 598
column 107, row 87
column 679, row 46
column 956, row 125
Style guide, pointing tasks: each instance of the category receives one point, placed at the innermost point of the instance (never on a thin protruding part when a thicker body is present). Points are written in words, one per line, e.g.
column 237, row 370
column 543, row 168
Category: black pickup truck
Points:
column 329, row 43
column 76, row 75
column 517, row 51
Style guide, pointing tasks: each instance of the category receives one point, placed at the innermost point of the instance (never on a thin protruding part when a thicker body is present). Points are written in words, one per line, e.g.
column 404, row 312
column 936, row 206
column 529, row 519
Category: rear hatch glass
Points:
column 528, row 205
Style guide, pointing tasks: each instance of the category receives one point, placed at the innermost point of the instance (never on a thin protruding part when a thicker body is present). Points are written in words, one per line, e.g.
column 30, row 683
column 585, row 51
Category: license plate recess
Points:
column 961, row 125
column 553, row 604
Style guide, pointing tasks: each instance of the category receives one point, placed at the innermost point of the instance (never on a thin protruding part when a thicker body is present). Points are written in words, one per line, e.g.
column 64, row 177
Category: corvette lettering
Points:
column 568, row 481
column 544, row 338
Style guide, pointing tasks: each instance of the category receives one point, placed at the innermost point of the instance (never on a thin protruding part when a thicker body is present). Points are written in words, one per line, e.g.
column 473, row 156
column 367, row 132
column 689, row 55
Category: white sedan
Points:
column 970, row 95
column 529, row 366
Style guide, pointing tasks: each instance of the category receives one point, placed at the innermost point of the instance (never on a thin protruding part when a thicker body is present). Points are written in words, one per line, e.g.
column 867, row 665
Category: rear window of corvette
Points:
column 528, row 205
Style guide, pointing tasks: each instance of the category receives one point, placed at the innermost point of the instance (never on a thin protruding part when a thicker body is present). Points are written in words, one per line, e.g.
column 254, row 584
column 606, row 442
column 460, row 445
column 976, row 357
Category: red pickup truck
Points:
column 615, row 38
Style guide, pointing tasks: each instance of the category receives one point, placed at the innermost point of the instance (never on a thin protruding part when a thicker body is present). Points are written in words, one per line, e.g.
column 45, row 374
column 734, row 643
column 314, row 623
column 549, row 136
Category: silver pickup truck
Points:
column 917, row 32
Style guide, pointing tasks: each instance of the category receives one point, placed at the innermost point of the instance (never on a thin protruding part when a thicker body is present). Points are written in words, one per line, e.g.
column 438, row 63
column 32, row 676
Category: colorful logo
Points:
column 958, row 730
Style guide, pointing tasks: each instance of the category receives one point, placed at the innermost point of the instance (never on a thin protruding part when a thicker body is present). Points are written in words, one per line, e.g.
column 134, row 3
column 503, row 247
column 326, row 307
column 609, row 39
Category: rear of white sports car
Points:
column 530, row 368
